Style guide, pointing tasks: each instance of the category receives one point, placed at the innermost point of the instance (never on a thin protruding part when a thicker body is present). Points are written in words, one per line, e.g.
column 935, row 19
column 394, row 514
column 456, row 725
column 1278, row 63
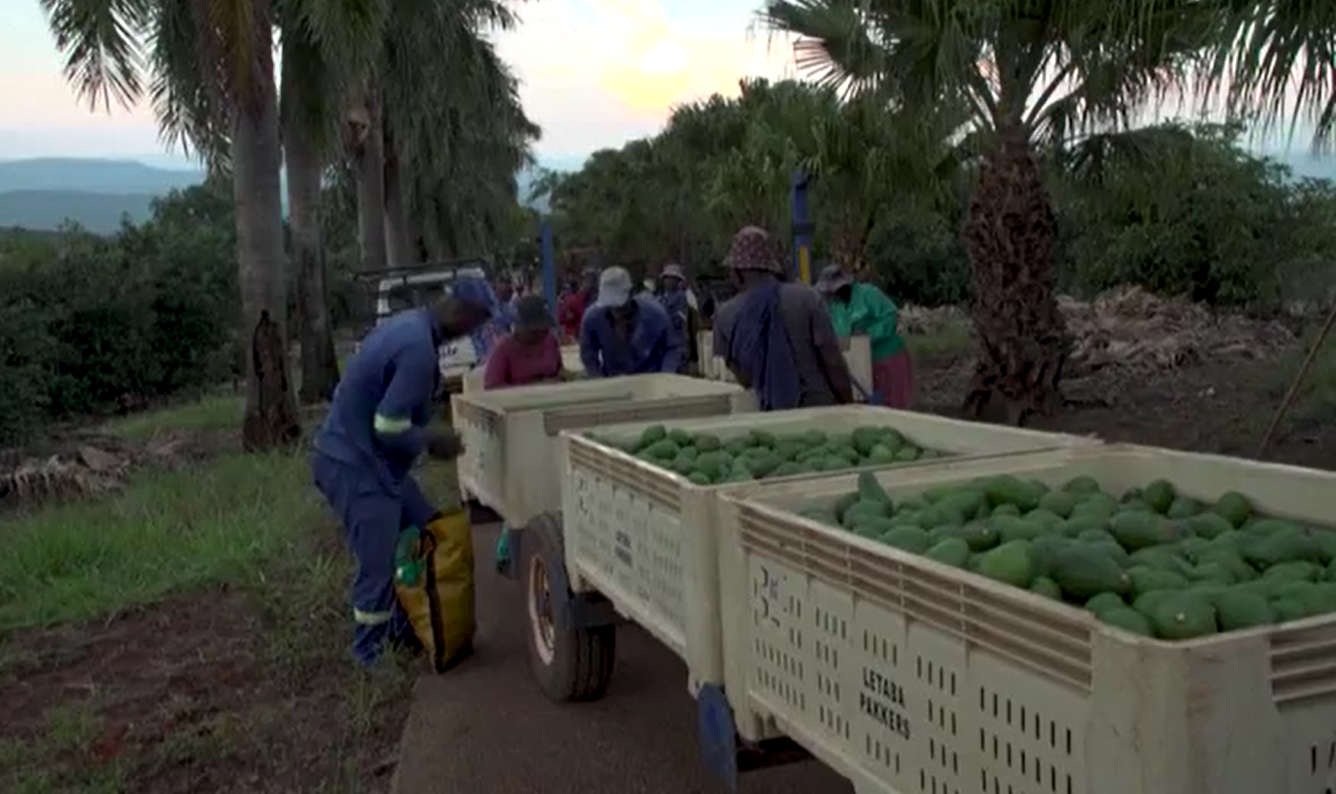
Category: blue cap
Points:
column 475, row 291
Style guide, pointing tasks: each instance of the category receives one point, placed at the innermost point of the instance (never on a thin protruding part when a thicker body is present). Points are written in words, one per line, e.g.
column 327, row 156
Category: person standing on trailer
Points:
column 625, row 334
column 777, row 337
column 857, row 307
column 375, row 430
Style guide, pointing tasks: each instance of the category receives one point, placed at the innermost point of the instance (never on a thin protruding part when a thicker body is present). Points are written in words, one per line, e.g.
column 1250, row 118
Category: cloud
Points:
column 598, row 72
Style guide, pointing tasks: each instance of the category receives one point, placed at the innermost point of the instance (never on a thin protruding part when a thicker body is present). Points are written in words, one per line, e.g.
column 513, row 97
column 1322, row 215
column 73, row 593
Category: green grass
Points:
column 167, row 531
column 950, row 341
column 213, row 412
column 256, row 523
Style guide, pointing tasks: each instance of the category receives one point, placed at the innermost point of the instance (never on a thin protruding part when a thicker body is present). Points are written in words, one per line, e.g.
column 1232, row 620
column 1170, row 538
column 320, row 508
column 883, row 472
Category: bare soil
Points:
column 1218, row 407
column 186, row 696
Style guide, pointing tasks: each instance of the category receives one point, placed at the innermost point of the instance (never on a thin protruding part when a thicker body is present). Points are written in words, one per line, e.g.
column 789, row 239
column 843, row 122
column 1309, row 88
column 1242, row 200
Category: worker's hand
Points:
column 445, row 445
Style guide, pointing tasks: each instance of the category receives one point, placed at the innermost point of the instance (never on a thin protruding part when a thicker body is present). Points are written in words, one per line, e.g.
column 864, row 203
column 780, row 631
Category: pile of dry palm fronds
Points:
column 1139, row 333
column 76, row 467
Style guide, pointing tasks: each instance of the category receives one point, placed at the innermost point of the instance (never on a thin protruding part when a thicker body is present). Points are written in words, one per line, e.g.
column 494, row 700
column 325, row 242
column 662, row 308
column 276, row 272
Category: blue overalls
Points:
column 374, row 431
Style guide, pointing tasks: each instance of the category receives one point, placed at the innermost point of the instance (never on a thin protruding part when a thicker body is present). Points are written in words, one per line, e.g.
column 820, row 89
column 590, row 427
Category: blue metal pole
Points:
column 549, row 266
column 802, row 230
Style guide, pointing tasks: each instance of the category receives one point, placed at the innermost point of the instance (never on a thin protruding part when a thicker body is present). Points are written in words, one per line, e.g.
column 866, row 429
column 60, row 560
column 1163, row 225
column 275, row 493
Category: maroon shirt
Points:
column 514, row 364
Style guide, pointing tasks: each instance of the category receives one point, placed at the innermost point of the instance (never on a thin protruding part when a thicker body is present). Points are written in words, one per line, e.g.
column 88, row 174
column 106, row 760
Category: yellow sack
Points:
column 433, row 578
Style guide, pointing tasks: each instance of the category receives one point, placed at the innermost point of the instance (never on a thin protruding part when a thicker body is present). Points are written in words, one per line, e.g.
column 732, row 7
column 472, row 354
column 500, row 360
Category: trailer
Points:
column 633, row 541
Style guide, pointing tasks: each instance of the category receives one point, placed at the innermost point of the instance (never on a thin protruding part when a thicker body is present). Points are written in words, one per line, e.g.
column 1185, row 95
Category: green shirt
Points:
column 869, row 311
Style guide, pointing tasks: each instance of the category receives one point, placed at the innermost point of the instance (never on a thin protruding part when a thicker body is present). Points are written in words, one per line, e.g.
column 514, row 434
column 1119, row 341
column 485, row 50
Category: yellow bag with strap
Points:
column 433, row 579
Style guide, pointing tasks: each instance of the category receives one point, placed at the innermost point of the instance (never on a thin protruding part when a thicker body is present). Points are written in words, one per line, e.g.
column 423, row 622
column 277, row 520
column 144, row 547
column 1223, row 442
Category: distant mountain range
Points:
column 45, row 192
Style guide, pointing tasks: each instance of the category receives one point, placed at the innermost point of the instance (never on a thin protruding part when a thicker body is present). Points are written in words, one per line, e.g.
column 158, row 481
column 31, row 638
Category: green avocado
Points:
column 1242, row 609
column 1234, row 507
column 1009, row 563
column 950, row 551
column 1046, row 587
column 1159, row 495
column 1082, row 571
column 1182, row 616
column 1126, row 619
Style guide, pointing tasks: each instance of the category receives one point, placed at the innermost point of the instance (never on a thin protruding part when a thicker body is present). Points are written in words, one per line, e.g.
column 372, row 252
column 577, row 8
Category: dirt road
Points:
column 485, row 726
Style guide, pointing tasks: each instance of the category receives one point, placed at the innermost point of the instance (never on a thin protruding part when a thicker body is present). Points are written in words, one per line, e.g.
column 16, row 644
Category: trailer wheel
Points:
column 570, row 662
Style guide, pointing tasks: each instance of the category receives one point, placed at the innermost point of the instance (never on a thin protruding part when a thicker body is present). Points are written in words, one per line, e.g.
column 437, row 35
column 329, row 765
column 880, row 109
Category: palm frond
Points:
column 100, row 39
column 186, row 95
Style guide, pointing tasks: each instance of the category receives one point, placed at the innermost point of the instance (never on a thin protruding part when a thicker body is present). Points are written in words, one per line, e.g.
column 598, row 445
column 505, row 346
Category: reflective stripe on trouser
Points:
column 372, row 519
column 371, row 618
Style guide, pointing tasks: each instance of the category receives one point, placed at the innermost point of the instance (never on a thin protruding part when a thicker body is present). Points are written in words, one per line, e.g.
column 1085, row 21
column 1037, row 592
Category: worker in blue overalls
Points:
column 376, row 428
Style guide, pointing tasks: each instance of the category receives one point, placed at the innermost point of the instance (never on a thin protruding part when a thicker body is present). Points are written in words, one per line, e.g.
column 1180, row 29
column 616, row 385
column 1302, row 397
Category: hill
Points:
column 47, row 209
column 92, row 176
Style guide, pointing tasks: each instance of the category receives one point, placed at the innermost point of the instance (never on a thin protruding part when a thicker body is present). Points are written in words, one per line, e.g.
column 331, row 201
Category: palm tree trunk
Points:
column 400, row 242
column 371, row 185
column 271, row 415
column 320, row 367
column 1022, row 337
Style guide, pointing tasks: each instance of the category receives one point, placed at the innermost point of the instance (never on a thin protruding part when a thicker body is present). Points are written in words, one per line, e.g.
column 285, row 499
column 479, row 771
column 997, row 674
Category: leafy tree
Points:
column 1031, row 73
column 212, row 71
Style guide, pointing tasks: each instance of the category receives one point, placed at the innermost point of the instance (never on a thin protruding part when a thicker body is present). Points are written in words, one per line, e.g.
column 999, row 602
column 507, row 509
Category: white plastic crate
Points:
column 645, row 537
column 510, row 435
column 909, row 676
column 857, row 354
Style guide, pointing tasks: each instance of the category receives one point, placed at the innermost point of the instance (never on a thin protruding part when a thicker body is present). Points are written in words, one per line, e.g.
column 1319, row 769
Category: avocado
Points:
column 950, row 551
column 907, row 453
column 1007, row 510
column 1183, row 507
column 1137, row 530
column 699, row 477
column 1060, row 503
column 1208, row 525
column 864, row 509
column 1044, row 549
column 651, row 435
column 1082, row 571
column 1081, row 485
column 1295, row 570
column 1009, row 563
column 1145, row 580
column 1263, row 551
column 1182, row 616
column 1126, row 619
column 911, row 539
column 870, row 490
column 1046, row 519
column 1102, row 601
column 664, row 450
column 1005, row 489
column 1045, row 586
column 976, row 534
column 1234, row 507
column 705, row 442
column 865, row 439
column 1242, row 609
column 1011, row 528
column 1159, row 495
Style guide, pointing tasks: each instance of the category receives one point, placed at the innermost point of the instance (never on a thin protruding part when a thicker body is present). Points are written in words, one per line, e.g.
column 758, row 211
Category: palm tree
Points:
column 213, row 85
column 1031, row 73
column 472, row 114
column 325, row 45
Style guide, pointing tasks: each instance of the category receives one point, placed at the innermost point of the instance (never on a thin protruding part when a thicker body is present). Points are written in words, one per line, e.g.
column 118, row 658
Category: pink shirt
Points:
column 514, row 364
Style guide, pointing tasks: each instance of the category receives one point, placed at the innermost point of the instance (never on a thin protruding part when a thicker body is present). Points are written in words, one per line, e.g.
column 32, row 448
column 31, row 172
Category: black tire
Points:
column 568, row 663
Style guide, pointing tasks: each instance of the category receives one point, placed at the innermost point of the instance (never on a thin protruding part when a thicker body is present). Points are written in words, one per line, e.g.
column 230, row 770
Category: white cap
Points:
column 614, row 287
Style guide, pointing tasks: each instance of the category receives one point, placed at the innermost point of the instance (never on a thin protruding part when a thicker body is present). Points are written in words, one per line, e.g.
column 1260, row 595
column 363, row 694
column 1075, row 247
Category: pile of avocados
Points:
column 1153, row 562
column 705, row 459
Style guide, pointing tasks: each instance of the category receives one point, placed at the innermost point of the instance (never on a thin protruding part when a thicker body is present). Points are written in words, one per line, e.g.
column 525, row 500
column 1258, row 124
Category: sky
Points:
column 594, row 74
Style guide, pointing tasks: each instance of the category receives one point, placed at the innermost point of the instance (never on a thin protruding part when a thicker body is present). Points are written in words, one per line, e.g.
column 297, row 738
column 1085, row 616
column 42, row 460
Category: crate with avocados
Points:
column 1149, row 561
column 1103, row 620
column 708, row 459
